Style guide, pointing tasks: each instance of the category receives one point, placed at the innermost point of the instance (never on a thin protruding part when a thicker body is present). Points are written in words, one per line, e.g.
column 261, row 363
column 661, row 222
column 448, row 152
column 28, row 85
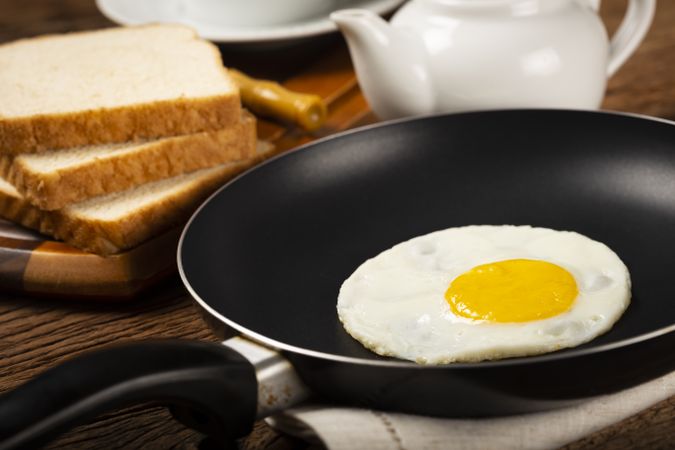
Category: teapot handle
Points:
column 633, row 28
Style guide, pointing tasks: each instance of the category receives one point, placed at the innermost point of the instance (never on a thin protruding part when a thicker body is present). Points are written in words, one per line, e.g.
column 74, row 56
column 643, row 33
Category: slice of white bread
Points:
column 112, row 85
column 112, row 223
column 54, row 179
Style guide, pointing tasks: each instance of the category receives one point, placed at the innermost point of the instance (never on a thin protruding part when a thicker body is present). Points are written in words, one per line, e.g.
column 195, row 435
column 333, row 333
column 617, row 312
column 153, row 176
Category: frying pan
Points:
column 265, row 257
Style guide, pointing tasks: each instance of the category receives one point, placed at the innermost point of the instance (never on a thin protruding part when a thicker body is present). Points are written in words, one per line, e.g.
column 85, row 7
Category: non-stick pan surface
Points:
column 267, row 254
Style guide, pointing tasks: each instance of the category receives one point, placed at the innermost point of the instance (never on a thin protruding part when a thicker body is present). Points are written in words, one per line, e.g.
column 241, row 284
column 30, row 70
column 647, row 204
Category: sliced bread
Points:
column 54, row 179
column 112, row 223
column 112, row 85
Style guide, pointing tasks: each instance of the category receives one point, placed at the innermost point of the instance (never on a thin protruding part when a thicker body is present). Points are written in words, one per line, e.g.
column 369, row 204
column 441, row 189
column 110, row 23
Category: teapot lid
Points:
column 513, row 7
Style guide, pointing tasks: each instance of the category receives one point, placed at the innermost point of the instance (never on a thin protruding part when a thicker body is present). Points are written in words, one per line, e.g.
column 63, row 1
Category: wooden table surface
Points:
column 38, row 333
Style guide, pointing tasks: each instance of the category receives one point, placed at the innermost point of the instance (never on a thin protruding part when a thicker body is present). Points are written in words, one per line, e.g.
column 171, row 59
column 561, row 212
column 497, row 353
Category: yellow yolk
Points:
column 515, row 290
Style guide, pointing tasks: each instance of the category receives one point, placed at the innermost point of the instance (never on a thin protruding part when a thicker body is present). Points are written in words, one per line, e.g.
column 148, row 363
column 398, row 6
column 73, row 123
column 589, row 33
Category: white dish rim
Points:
column 309, row 28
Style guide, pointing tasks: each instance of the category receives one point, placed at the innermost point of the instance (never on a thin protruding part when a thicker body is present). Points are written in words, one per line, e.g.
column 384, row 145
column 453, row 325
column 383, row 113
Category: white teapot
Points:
column 457, row 55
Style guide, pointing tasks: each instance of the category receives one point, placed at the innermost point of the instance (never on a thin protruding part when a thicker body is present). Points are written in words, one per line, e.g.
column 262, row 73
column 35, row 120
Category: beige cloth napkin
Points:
column 348, row 428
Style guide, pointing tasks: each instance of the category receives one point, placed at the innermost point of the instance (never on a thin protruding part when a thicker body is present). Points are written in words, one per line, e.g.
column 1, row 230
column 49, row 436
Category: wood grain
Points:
column 36, row 333
column 646, row 83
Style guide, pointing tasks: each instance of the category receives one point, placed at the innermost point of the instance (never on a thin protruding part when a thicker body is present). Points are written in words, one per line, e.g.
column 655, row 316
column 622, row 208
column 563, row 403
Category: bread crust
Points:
column 152, row 161
column 18, row 210
column 201, row 116
column 109, row 125
column 105, row 237
column 133, row 122
column 108, row 237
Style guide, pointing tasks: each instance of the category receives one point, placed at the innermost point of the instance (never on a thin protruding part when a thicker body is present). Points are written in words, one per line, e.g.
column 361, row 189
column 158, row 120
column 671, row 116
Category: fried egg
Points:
column 484, row 292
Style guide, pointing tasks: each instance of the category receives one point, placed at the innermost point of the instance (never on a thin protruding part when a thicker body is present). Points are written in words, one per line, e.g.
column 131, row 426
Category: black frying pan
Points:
column 266, row 255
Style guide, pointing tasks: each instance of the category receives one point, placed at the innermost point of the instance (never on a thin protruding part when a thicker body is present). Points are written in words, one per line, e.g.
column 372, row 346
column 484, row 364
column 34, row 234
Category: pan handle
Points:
column 210, row 387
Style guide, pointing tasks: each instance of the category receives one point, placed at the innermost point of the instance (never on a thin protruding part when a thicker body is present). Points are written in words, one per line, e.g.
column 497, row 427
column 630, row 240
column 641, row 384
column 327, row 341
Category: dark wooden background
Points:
column 37, row 333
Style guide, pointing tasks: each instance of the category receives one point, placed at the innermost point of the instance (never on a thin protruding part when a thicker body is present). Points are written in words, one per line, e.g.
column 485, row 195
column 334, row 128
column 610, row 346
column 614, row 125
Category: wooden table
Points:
column 38, row 333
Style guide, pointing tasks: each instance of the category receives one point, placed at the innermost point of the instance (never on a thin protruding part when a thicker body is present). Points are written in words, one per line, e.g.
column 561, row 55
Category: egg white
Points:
column 394, row 303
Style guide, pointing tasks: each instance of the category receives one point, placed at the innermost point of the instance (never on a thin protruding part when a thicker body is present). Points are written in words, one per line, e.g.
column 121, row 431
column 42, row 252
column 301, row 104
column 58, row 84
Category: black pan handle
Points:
column 210, row 387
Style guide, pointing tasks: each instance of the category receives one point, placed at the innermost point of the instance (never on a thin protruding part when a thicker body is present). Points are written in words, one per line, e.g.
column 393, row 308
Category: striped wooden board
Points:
column 32, row 263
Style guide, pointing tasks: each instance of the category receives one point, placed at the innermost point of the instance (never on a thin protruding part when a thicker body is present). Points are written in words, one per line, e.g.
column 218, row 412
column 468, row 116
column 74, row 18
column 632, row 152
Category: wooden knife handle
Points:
column 268, row 98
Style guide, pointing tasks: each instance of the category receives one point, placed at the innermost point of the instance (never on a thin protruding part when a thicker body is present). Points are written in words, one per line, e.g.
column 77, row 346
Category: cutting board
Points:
column 35, row 264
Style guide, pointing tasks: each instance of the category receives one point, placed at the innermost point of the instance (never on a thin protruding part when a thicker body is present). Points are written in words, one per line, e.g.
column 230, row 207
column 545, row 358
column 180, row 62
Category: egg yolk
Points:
column 514, row 290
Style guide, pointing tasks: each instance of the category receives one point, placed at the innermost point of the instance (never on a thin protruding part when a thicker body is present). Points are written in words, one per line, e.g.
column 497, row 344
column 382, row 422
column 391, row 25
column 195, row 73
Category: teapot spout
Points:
column 390, row 64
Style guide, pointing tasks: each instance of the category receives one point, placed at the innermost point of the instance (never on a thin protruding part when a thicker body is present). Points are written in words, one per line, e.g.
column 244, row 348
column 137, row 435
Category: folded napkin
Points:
column 350, row 428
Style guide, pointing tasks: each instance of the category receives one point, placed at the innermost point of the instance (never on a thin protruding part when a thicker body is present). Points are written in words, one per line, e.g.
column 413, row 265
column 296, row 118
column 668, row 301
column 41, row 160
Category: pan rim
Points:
column 515, row 361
